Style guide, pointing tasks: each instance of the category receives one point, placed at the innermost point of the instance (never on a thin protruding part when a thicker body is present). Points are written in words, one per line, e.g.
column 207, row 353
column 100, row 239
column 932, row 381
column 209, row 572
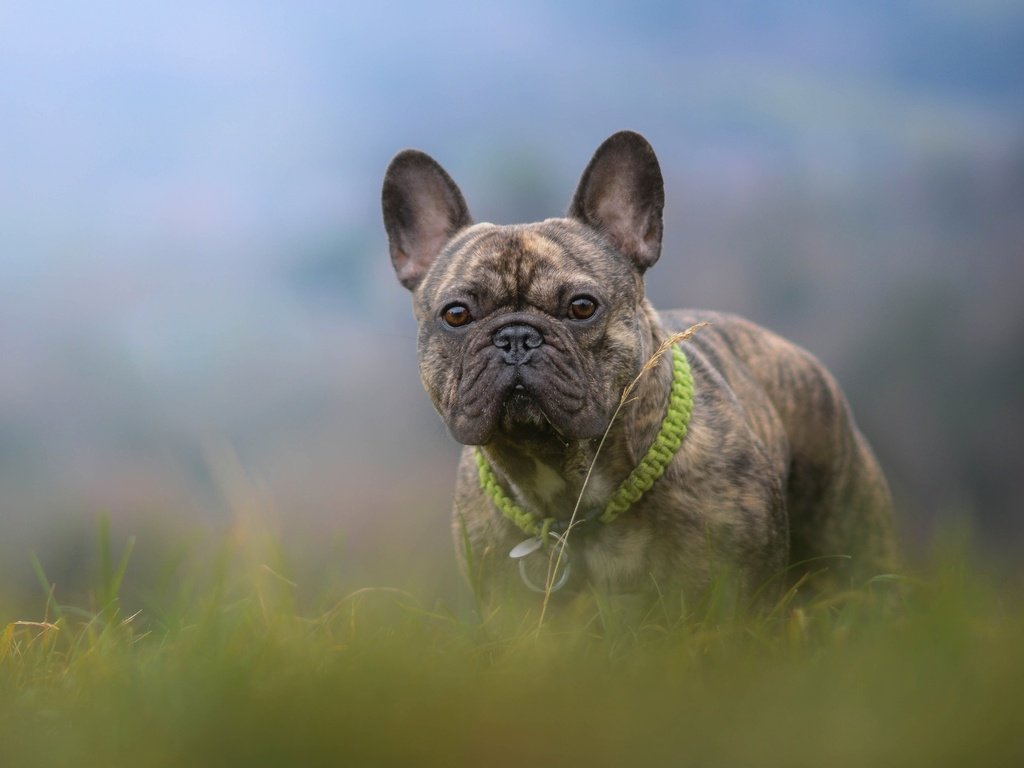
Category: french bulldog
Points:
column 528, row 337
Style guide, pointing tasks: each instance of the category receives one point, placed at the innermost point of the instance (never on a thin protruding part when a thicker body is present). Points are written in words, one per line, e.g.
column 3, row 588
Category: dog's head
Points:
column 529, row 330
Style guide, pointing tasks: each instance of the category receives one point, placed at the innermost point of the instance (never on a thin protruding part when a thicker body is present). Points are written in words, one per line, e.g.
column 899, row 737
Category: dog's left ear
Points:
column 422, row 208
column 622, row 194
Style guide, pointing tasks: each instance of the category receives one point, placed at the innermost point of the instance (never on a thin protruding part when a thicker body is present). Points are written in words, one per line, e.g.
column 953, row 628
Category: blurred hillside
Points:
column 197, row 313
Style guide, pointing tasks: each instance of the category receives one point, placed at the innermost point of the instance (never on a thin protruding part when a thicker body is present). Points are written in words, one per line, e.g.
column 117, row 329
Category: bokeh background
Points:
column 198, row 321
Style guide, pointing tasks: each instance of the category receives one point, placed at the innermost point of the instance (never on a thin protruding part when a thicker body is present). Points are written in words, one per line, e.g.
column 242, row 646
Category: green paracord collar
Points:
column 640, row 480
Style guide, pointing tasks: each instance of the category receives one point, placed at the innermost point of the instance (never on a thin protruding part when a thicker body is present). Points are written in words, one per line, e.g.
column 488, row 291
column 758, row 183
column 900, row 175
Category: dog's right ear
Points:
column 621, row 193
column 423, row 208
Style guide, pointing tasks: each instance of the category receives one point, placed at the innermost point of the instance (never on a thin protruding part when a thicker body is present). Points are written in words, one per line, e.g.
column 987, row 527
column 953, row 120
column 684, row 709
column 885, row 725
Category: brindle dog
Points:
column 528, row 335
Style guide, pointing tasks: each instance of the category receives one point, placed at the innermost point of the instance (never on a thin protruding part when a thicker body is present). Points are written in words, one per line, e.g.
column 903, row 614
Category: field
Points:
column 226, row 663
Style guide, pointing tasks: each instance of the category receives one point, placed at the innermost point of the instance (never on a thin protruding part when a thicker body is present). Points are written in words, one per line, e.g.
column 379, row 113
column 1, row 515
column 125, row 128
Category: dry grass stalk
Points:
column 558, row 551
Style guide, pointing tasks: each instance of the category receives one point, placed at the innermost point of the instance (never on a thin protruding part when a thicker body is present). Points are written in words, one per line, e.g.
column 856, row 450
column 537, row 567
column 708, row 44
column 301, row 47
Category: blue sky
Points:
column 190, row 237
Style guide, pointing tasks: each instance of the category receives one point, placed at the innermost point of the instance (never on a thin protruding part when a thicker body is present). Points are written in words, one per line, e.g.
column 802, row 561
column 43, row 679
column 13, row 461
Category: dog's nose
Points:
column 517, row 342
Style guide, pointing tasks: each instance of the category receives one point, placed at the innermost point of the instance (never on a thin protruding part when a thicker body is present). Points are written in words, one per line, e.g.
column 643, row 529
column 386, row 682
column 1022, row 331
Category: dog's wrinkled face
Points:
column 533, row 330
column 525, row 329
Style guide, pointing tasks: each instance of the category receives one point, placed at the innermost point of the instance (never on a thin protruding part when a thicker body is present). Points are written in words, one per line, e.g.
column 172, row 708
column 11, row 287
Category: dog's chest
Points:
column 615, row 557
column 548, row 484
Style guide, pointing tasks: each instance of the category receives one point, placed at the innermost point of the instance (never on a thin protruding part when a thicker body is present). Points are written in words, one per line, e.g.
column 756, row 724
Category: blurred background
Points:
column 198, row 320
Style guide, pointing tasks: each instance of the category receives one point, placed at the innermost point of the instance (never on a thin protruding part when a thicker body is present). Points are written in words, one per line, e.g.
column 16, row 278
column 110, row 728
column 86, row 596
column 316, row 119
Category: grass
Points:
column 224, row 665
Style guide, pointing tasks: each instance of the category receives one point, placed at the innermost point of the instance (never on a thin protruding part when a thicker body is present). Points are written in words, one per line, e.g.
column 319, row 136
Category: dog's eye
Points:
column 582, row 308
column 456, row 315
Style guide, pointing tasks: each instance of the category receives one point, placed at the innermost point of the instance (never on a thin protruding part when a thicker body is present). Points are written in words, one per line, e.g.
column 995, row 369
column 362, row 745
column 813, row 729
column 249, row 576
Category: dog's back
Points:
column 837, row 499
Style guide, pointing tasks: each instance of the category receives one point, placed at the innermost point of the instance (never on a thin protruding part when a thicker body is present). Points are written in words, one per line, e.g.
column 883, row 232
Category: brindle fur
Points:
column 773, row 470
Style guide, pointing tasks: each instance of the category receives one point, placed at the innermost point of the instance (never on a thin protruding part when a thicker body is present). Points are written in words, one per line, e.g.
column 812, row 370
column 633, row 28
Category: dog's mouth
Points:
column 522, row 412
column 541, row 394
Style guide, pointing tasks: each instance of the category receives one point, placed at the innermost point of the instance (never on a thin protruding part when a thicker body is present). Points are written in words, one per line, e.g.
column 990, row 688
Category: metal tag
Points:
column 535, row 567
column 524, row 548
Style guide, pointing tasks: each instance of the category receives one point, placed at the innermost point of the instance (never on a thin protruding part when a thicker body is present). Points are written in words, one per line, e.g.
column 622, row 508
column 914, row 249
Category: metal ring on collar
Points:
column 562, row 567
